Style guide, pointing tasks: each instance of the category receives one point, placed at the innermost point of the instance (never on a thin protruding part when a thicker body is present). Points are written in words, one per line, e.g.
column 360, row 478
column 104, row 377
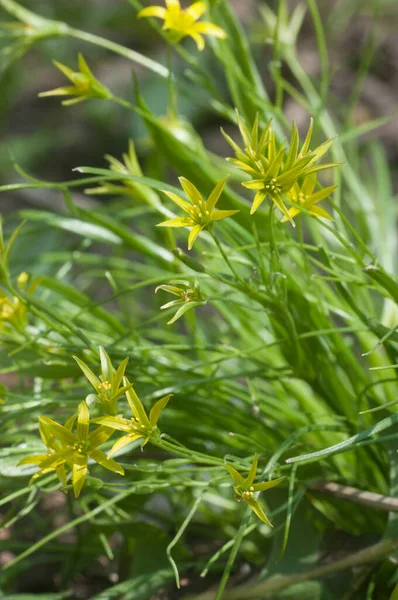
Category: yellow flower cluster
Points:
column 278, row 172
column 70, row 447
column 13, row 312
column 69, row 450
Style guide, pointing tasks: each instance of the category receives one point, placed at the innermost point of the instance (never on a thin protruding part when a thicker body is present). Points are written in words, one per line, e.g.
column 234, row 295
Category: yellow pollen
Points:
column 105, row 385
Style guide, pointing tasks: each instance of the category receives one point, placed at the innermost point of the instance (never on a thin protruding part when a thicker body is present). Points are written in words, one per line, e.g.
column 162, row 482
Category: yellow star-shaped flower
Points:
column 184, row 22
column 246, row 489
column 304, row 195
column 201, row 213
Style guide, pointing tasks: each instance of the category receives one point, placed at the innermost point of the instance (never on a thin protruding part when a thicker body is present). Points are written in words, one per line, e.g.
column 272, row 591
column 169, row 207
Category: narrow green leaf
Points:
column 383, row 279
column 347, row 444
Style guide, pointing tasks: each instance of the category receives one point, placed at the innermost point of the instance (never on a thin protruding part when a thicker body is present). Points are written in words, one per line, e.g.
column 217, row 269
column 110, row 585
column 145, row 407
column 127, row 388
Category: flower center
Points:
column 105, row 385
column 82, row 83
column 199, row 214
column 81, row 447
column 179, row 20
column 272, row 188
column 245, row 494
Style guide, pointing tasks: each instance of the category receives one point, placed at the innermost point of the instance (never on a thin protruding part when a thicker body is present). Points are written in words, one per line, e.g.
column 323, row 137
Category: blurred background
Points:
column 49, row 140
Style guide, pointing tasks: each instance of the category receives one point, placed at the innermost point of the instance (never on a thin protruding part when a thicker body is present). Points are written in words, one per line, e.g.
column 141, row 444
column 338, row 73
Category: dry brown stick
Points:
column 345, row 492
column 265, row 588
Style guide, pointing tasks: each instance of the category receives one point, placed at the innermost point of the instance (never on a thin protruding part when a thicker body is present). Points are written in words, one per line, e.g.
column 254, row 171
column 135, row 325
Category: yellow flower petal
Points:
column 193, row 235
column 157, row 409
column 124, row 441
column 79, row 472
column 255, row 184
column 258, row 199
column 177, row 222
column 210, row 29
column 153, row 11
column 196, row 10
column 279, row 203
column 215, row 194
column 191, row 191
column 200, row 42
column 324, row 193
column 252, row 473
column 83, row 418
column 64, row 69
column 293, row 212
column 317, row 211
column 61, row 91
column 36, row 459
column 179, row 201
column 256, row 508
column 118, row 423
column 217, row 215
column 173, row 4
column 102, row 459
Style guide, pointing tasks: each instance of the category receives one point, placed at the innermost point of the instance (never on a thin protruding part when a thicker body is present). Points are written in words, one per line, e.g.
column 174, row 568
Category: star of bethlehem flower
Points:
column 245, row 489
column 201, row 213
column 85, row 85
column 303, row 194
column 107, row 386
column 275, row 169
column 184, row 22
column 189, row 297
column 129, row 165
column 140, row 426
column 54, row 447
column 285, row 24
column 68, row 450
column 13, row 312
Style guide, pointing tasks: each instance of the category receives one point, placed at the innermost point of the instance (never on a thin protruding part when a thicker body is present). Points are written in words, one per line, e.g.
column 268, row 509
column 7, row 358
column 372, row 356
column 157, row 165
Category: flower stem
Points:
column 226, row 259
column 274, row 253
column 135, row 57
column 184, row 452
column 232, row 556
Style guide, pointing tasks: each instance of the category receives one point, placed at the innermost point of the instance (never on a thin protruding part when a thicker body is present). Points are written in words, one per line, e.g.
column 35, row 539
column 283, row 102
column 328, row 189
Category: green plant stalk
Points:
column 234, row 551
column 270, row 587
column 184, row 452
column 56, row 28
column 226, row 259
